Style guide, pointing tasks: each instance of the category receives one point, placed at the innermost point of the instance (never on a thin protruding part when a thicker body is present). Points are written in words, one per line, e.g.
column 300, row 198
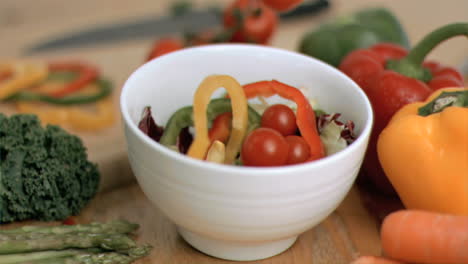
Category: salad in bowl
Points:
column 244, row 147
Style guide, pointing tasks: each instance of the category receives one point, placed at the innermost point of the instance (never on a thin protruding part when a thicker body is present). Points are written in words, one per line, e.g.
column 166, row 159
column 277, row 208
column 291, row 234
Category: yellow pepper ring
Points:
column 73, row 117
column 25, row 74
column 202, row 97
column 104, row 116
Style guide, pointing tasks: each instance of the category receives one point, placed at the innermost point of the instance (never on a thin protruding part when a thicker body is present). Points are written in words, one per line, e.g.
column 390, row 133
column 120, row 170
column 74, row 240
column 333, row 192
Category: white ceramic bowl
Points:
column 232, row 212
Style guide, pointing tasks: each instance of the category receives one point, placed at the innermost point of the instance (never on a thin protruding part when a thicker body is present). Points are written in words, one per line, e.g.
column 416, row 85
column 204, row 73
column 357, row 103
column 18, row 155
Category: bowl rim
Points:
column 361, row 139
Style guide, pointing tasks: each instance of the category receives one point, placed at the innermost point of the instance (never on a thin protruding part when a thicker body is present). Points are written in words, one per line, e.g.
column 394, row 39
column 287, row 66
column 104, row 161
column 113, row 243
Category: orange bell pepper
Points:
column 424, row 152
column 199, row 147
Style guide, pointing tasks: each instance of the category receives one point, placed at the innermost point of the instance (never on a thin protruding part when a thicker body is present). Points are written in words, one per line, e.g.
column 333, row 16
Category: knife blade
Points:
column 152, row 27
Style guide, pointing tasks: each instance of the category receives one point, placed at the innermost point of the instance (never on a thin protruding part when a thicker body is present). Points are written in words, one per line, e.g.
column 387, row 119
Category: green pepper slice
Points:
column 105, row 88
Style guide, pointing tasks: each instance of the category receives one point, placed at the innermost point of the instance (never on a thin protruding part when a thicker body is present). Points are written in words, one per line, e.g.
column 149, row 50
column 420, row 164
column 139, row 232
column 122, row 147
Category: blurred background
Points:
column 24, row 22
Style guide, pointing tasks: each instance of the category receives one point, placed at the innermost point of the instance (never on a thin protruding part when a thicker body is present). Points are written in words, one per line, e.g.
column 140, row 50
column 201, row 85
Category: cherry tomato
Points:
column 299, row 150
column 281, row 118
column 264, row 147
column 257, row 22
column 163, row 46
column 282, row 5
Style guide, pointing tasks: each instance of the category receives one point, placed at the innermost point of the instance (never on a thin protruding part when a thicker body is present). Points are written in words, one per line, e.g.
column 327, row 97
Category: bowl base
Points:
column 237, row 251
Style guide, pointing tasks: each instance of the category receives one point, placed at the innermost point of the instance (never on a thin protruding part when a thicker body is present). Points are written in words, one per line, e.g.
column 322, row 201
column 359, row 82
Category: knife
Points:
column 150, row 27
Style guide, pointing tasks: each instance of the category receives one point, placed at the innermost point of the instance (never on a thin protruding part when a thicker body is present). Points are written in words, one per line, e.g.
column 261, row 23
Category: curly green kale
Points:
column 44, row 172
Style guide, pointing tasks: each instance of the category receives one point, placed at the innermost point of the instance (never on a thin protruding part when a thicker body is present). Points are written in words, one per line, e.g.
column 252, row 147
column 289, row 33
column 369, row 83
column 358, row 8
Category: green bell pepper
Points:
column 335, row 39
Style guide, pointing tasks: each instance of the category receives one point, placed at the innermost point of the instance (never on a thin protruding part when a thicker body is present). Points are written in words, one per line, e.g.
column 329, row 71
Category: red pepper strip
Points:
column 261, row 88
column 221, row 128
column 87, row 74
column 305, row 116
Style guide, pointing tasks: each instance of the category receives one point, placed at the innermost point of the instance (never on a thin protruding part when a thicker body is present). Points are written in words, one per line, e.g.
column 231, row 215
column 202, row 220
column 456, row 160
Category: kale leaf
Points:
column 45, row 173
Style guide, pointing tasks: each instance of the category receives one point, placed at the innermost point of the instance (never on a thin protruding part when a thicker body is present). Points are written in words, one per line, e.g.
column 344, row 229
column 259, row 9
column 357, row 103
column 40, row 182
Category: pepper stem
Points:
column 444, row 100
column 411, row 65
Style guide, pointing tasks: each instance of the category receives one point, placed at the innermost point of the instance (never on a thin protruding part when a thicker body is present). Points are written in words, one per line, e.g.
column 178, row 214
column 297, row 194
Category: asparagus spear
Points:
column 36, row 256
column 115, row 242
column 76, row 257
column 119, row 226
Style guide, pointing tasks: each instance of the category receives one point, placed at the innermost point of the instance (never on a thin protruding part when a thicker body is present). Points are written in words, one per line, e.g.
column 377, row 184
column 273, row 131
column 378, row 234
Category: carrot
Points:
column 374, row 260
column 425, row 237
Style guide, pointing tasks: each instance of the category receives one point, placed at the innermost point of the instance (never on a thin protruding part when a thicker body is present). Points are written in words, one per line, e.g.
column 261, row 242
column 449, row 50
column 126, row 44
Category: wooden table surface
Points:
column 350, row 229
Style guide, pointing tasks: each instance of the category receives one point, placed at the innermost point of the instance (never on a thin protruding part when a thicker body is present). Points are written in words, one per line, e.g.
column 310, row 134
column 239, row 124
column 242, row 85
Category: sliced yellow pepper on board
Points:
column 199, row 147
column 23, row 75
column 424, row 152
column 73, row 117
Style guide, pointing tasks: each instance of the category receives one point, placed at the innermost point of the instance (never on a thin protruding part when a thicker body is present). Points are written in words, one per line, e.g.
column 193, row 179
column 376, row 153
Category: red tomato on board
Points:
column 251, row 20
column 164, row 46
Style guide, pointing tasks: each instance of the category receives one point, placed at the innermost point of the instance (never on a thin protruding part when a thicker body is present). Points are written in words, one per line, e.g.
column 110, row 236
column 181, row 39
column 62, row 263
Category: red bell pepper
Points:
column 393, row 77
column 86, row 75
column 305, row 116
column 221, row 127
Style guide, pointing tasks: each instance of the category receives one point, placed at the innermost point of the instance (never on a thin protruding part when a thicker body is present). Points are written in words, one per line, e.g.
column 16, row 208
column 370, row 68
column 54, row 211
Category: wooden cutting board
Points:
column 347, row 233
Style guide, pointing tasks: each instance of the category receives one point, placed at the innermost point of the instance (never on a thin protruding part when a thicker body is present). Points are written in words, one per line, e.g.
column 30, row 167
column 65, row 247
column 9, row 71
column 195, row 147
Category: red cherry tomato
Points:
column 264, row 147
column 299, row 150
column 163, row 46
column 281, row 118
column 257, row 22
column 282, row 5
